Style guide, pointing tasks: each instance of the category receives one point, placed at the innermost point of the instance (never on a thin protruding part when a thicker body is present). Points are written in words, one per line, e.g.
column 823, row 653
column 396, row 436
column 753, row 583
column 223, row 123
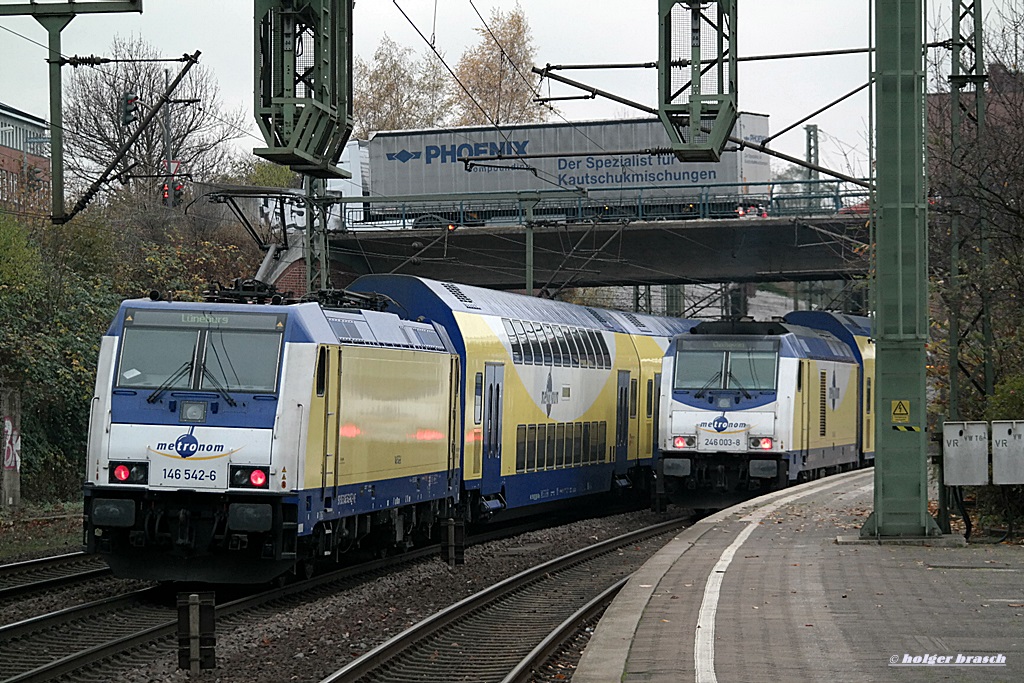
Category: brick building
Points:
column 24, row 160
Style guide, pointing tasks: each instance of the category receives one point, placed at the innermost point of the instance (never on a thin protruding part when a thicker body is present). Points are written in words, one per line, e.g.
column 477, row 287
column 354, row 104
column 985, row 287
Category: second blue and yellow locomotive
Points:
column 750, row 407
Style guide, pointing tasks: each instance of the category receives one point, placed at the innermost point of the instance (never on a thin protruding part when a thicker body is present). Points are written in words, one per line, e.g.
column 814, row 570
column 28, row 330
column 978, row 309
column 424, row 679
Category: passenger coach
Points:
column 558, row 400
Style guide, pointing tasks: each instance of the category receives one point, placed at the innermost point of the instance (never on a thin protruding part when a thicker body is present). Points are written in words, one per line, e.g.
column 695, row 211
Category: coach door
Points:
column 622, row 419
column 654, row 400
column 328, row 387
column 494, row 399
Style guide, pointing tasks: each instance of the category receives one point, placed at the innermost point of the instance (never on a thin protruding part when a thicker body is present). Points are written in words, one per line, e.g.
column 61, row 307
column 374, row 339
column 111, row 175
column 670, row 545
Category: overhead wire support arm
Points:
column 93, row 60
column 816, row 112
column 150, row 115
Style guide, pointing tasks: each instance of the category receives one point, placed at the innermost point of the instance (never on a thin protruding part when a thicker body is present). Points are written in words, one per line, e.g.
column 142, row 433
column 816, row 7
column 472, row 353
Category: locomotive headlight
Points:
column 193, row 411
column 762, row 443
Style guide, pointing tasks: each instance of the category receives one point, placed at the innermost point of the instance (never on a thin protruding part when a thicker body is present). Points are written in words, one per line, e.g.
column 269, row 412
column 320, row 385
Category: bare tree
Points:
column 499, row 86
column 398, row 91
column 95, row 131
column 978, row 188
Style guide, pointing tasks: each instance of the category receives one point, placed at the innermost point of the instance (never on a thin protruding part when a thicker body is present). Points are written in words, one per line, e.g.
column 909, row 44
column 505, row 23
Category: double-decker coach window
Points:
column 513, row 340
column 606, row 356
column 586, row 353
column 574, row 351
column 524, row 342
column 563, row 346
column 556, row 353
column 535, row 356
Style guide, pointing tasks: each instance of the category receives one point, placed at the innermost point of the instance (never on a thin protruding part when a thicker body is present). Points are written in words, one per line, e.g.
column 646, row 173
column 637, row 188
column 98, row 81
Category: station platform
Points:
column 781, row 589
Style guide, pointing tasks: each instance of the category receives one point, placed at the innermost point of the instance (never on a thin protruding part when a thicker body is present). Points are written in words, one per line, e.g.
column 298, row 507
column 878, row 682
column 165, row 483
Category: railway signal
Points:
column 129, row 108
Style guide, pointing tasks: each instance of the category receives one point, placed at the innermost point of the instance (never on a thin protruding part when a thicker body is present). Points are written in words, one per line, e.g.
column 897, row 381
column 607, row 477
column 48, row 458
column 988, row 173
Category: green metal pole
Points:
column 901, row 280
column 54, row 25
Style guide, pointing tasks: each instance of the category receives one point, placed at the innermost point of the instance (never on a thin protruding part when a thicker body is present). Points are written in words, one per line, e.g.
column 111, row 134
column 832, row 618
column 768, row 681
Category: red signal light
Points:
column 122, row 473
column 258, row 478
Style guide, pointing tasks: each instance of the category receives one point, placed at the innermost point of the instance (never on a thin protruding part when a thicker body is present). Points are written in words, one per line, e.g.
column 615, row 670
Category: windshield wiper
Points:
column 707, row 385
column 184, row 370
column 218, row 387
column 739, row 386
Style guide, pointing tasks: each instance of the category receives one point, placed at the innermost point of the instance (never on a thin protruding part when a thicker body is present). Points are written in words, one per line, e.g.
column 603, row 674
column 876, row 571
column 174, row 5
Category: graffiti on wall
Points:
column 11, row 445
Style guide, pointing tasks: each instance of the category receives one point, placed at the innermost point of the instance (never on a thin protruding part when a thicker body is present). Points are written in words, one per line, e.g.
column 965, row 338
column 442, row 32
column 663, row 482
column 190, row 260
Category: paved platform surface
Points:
column 764, row 593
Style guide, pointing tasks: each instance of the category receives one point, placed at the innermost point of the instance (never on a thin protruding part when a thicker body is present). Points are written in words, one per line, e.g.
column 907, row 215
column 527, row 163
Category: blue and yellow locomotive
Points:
column 233, row 442
column 750, row 407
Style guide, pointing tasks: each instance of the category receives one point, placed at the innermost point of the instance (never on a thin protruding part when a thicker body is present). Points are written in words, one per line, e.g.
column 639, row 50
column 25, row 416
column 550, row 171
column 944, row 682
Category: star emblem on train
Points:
column 548, row 397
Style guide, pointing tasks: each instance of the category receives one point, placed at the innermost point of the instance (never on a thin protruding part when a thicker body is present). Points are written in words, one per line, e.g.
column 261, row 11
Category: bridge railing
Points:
column 641, row 203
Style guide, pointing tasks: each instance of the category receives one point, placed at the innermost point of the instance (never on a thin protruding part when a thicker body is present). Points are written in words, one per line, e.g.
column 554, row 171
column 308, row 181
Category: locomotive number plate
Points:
column 720, row 442
column 189, row 477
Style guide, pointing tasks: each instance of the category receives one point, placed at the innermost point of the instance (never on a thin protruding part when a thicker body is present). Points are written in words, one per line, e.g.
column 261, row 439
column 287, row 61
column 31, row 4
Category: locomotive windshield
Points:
column 704, row 363
column 200, row 350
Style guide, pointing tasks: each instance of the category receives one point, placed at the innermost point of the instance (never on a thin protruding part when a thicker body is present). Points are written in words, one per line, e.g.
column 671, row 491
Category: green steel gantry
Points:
column 967, row 72
column 901, row 276
column 303, row 103
column 697, row 75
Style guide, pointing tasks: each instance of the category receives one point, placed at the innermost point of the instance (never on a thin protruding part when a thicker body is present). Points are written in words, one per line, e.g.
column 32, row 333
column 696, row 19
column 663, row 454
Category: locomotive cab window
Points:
column 321, row 371
column 708, row 363
column 200, row 350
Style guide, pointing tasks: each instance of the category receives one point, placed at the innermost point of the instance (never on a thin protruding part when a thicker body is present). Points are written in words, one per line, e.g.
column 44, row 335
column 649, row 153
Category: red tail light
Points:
column 248, row 477
column 258, row 478
column 684, row 441
column 128, row 473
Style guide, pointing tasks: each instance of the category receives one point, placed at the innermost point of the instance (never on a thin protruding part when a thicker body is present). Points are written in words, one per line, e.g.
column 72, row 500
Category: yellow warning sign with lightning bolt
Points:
column 901, row 411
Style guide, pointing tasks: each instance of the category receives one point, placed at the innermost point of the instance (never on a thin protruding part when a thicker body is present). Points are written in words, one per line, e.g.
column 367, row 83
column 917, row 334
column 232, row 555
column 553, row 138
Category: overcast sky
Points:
column 564, row 31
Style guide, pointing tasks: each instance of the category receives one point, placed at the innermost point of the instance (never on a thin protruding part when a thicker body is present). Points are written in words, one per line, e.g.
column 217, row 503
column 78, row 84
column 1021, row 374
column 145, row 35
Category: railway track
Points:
column 504, row 633
column 38, row 576
column 86, row 642
column 96, row 641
